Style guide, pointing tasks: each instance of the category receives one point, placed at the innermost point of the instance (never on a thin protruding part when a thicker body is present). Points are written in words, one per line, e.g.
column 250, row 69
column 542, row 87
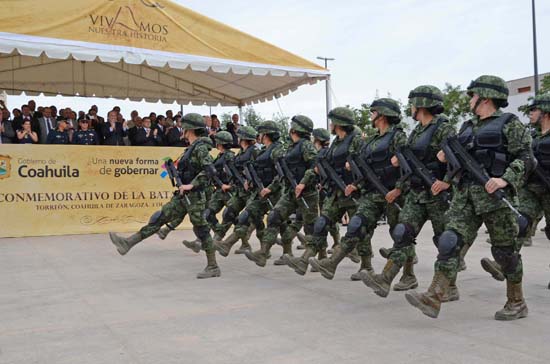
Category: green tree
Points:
column 225, row 118
column 252, row 118
column 545, row 84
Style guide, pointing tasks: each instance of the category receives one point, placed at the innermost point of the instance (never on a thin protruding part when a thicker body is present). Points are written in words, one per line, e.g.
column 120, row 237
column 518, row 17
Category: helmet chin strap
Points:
column 478, row 102
column 374, row 120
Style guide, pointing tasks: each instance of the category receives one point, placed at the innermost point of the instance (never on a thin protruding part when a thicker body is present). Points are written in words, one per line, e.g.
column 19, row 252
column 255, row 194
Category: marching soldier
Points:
column 191, row 167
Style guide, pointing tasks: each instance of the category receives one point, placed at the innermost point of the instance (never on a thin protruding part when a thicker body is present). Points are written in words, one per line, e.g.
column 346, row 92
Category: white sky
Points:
column 391, row 46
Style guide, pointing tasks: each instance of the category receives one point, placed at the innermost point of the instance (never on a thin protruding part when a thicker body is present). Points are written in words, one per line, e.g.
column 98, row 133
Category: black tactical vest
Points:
column 379, row 159
column 488, row 144
column 427, row 154
column 339, row 156
column 244, row 157
column 541, row 150
column 264, row 164
column 295, row 161
column 188, row 170
column 218, row 164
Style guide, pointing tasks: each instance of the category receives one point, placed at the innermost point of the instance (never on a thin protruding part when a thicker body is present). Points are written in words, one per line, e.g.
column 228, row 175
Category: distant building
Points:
column 520, row 90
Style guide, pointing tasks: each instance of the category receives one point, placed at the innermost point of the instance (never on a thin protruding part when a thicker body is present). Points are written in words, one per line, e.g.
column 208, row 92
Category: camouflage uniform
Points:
column 336, row 204
column 375, row 152
column 300, row 159
column 502, row 144
column 420, row 204
column 191, row 167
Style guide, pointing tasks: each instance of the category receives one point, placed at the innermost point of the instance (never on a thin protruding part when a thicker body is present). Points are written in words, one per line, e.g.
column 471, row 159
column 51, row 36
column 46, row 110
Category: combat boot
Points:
column 217, row 238
column 381, row 283
column 163, row 232
column 335, row 241
column 194, row 245
column 300, row 264
column 515, row 307
column 302, row 238
column 225, row 246
column 493, row 268
column 320, row 256
column 461, row 261
column 287, row 249
column 408, row 279
column 430, row 302
column 366, row 265
column 354, row 256
column 123, row 245
column 327, row 266
column 452, row 294
column 245, row 245
column 259, row 256
column 212, row 270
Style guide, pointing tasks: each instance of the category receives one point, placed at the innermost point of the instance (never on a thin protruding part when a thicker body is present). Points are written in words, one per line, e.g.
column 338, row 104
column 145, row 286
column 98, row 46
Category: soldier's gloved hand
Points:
column 299, row 189
column 393, row 195
column 226, row 188
column 439, row 186
column 394, row 161
column 265, row 192
column 350, row 189
column 441, row 156
column 185, row 188
column 495, row 184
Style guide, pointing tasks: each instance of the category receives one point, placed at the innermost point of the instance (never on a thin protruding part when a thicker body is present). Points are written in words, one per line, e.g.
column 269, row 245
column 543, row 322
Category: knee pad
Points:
column 507, row 257
column 356, row 226
column 274, row 219
column 210, row 217
column 524, row 224
column 243, row 218
column 448, row 245
column 403, row 235
column 308, row 229
column 320, row 227
column 229, row 215
column 547, row 232
column 155, row 217
column 201, row 232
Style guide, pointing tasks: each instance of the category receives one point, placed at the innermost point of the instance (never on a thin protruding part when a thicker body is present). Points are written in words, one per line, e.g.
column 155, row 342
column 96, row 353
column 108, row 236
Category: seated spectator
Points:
column 113, row 131
column 6, row 130
column 85, row 135
column 60, row 134
column 175, row 136
column 25, row 135
column 147, row 136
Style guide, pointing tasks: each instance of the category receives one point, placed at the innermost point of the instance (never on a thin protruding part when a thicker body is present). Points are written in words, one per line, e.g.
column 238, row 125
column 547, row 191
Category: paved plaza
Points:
column 74, row 300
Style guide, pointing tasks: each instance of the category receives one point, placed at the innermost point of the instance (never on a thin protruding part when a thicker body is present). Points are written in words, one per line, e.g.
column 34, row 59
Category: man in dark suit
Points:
column 147, row 136
column 112, row 131
column 132, row 132
column 47, row 124
column 7, row 134
column 25, row 115
column 175, row 138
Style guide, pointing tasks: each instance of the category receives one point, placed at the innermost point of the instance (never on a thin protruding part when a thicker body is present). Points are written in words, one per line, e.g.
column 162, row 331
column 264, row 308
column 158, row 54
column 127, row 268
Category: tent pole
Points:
column 240, row 113
column 181, row 109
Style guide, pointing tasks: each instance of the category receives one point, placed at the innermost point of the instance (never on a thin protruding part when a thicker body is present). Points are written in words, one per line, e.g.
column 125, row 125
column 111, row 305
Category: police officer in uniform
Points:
column 85, row 135
column 191, row 167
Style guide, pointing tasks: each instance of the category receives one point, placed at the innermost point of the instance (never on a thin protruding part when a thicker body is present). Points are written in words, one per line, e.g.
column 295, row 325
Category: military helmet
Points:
column 541, row 101
column 386, row 107
column 302, row 124
column 268, row 127
column 246, row 132
column 426, row 96
column 223, row 137
column 342, row 116
column 321, row 134
column 489, row 87
column 192, row 121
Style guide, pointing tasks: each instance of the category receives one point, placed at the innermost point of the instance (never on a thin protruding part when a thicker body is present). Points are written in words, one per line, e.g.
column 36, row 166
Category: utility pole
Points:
column 327, row 86
column 535, row 48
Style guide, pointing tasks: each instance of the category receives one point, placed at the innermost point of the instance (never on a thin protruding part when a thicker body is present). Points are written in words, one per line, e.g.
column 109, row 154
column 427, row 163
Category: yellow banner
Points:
column 58, row 190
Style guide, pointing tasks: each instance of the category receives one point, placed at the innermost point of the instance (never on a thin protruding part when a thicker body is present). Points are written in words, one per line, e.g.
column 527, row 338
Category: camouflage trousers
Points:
column 370, row 208
column 176, row 210
column 177, row 220
column 253, row 214
column 334, row 208
column 414, row 214
column 534, row 203
column 465, row 222
column 333, row 228
column 288, row 204
column 216, row 203
column 234, row 206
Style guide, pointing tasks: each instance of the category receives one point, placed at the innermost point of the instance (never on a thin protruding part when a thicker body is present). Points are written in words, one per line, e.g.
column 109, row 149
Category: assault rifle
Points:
column 175, row 178
column 455, row 152
column 363, row 171
column 251, row 175
column 284, row 172
column 212, row 173
column 410, row 164
column 232, row 171
column 333, row 175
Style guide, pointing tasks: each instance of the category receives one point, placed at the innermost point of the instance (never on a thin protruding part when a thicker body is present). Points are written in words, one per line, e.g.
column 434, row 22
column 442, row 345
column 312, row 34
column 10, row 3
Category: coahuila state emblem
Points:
column 5, row 166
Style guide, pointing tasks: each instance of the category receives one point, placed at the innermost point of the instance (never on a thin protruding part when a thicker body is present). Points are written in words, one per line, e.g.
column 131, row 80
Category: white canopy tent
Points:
column 141, row 50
